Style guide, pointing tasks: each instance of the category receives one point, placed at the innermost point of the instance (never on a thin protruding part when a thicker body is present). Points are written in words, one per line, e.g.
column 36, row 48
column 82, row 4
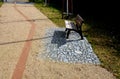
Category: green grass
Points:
column 52, row 13
column 1, row 3
column 104, row 45
column 106, row 48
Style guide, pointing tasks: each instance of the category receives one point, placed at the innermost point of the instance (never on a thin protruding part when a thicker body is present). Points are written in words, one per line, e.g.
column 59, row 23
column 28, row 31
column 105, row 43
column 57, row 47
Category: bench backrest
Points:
column 79, row 20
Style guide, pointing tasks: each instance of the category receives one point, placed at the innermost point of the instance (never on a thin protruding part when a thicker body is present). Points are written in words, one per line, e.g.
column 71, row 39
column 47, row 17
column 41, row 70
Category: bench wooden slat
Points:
column 70, row 24
column 79, row 20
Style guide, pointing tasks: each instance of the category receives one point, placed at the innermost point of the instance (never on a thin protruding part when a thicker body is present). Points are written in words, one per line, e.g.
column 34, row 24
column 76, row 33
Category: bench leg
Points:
column 80, row 33
column 65, row 29
column 67, row 33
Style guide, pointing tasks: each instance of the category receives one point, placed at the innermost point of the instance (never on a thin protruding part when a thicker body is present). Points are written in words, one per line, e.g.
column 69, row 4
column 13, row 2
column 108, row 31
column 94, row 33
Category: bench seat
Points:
column 74, row 26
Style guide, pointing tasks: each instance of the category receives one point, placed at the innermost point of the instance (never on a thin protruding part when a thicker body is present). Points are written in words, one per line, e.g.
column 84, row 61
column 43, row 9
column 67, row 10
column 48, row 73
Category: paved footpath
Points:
column 19, row 23
column 22, row 29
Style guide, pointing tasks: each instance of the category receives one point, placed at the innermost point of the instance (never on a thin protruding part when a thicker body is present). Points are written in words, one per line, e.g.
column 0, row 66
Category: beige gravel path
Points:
column 14, row 30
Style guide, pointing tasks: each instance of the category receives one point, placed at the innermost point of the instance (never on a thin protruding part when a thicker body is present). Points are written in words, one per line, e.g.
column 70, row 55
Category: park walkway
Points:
column 22, row 30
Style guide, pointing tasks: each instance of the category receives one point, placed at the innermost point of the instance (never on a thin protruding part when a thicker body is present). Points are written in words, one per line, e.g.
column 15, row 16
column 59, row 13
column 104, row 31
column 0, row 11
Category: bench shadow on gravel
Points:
column 58, row 38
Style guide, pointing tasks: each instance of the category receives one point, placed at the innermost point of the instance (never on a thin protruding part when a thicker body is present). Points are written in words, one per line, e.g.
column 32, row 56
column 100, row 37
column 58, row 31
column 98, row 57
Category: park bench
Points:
column 75, row 25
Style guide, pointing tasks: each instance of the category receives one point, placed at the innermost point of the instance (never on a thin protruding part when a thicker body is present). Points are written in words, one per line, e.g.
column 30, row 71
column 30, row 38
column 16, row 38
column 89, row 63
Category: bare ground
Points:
column 14, row 30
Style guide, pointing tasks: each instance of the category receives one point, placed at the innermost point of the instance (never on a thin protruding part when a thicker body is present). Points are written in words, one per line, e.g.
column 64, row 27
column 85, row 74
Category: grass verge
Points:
column 1, row 3
column 52, row 13
column 104, row 44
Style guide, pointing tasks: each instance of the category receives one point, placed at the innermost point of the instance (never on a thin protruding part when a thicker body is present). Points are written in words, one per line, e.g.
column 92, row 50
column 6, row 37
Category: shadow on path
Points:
column 12, row 42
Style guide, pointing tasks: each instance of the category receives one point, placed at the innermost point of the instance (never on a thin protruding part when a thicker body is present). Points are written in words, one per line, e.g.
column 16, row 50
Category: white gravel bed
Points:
column 72, row 50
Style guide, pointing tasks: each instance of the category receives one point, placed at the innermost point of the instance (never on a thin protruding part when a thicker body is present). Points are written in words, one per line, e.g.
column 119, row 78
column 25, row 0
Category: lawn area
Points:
column 104, row 45
column 1, row 3
column 52, row 13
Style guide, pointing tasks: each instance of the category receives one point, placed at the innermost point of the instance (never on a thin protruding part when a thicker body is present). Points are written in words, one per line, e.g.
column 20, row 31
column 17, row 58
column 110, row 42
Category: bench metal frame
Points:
column 74, row 26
